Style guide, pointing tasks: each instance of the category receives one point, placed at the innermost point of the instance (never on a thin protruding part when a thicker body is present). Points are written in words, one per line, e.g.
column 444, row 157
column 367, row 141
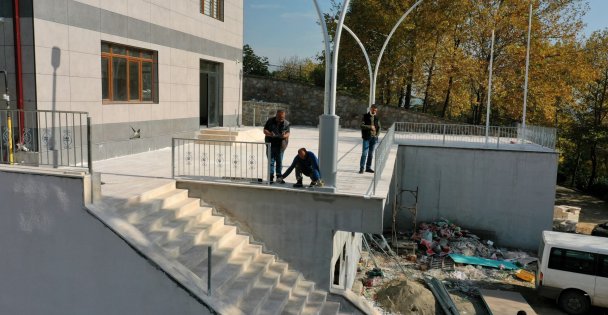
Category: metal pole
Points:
column 523, row 119
column 386, row 43
column 89, row 146
column 369, row 64
column 327, row 57
column 490, row 88
column 172, row 157
column 334, row 61
column 209, row 271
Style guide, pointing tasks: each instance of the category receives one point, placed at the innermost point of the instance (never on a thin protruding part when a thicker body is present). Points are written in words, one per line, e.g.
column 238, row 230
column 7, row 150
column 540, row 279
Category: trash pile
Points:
column 441, row 250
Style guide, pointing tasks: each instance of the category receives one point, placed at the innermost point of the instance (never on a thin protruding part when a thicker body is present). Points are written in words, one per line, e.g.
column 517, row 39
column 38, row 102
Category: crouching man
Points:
column 305, row 163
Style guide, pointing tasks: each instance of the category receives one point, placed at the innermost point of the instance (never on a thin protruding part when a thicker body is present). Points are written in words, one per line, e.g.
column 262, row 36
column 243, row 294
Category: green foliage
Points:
column 254, row 64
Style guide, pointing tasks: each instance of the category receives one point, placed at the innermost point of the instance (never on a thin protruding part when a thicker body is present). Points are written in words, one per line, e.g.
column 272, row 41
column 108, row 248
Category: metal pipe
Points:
column 369, row 64
column 490, row 87
column 89, row 146
column 523, row 119
column 334, row 62
column 19, row 65
column 386, row 43
column 326, row 41
column 209, row 271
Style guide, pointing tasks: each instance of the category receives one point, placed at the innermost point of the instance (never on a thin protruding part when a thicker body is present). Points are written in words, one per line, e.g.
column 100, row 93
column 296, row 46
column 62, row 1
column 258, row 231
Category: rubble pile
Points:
column 429, row 254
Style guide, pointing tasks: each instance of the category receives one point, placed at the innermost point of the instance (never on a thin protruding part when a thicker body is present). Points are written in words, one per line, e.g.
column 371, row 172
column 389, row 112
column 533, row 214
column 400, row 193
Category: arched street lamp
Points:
column 329, row 122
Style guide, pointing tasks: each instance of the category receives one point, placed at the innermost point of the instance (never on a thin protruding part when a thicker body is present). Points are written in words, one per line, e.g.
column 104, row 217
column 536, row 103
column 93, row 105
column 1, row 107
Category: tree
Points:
column 254, row 64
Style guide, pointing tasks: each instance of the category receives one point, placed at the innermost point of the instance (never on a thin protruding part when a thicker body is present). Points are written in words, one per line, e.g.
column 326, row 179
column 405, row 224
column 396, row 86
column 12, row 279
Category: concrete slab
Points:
column 506, row 302
column 127, row 176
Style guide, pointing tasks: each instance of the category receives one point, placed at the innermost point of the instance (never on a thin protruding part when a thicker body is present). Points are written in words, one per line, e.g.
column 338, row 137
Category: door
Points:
column 601, row 283
column 210, row 106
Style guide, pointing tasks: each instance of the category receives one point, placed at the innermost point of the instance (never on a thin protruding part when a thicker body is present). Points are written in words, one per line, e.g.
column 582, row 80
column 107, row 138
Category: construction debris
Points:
column 442, row 296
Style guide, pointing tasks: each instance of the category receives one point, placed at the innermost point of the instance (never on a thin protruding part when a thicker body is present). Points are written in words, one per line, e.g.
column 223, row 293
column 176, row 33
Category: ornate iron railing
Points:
column 44, row 137
column 230, row 161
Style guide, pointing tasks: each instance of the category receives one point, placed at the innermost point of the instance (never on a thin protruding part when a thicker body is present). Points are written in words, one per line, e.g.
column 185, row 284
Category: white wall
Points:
column 509, row 193
column 56, row 258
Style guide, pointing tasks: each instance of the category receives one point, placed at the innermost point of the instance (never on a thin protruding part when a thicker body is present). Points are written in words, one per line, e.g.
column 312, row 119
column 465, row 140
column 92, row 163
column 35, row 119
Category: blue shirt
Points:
column 310, row 162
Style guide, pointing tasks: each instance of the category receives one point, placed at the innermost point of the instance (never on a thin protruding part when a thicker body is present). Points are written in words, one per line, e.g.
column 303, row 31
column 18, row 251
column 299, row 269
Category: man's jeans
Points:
column 276, row 159
column 368, row 153
column 312, row 173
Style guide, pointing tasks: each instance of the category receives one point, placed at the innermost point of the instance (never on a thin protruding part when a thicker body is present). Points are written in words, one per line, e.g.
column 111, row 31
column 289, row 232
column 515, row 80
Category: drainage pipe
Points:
column 19, row 66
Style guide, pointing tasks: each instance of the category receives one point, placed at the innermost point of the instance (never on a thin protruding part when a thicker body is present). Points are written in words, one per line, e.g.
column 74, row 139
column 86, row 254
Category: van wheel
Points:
column 574, row 302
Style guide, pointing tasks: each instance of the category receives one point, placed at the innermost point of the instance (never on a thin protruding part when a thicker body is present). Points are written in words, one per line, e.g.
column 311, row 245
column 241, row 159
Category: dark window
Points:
column 128, row 74
column 603, row 265
column 572, row 260
column 213, row 8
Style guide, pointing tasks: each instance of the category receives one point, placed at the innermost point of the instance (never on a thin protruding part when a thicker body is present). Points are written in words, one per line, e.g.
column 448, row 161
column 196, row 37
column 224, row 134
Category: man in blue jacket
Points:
column 305, row 163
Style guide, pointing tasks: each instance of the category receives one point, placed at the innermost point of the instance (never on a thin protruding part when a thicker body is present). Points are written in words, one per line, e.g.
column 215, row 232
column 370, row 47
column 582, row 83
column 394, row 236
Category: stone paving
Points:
column 127, row 176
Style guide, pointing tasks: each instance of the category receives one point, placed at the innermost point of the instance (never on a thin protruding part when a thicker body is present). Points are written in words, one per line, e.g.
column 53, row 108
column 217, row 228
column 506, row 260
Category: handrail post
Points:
column 89, row 144
column 268, row 154
column 444, row 134
column 209, row 271
column 498, row 139
column 173, row 158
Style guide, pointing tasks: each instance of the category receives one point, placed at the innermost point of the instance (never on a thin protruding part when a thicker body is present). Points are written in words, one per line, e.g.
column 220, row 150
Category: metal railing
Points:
column 543, row 136
column 230, row 161
column 497, row 137
column 382, row 152
column 44, row 137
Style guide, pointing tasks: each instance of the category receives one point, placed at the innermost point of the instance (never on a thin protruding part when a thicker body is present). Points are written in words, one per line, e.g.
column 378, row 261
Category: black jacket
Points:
column 277, row 129
column 366, row 126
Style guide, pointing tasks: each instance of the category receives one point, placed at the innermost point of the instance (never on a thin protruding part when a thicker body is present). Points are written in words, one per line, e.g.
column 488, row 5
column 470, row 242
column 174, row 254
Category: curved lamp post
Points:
column 386, row 43
column 369, row 64
column 328, row 122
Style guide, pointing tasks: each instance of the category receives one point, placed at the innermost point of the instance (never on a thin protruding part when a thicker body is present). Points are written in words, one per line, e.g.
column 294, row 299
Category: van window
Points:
column 572, row 260
column 603, row 272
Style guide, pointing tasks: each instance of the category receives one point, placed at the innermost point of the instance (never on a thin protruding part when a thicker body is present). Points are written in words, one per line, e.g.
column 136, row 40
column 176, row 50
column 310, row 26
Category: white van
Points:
column 573, row 269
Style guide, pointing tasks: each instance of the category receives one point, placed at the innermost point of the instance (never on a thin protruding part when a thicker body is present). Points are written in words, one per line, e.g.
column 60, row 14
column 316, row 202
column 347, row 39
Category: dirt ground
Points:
column 401, row 290
column 593, row 210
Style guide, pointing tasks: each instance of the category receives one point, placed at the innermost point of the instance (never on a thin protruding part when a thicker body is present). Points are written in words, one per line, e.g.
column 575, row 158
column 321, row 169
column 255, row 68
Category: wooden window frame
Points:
column 140, row 60
column 220, row 9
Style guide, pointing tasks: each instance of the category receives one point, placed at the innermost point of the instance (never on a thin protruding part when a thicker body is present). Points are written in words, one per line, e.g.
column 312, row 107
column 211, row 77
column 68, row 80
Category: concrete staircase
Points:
column 226, row 134
column 242, row 275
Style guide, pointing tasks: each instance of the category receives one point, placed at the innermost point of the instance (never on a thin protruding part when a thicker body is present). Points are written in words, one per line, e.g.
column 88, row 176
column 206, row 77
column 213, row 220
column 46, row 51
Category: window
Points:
column 128, row 74
column 572, row 260
column 213, row 8
column 603, row 266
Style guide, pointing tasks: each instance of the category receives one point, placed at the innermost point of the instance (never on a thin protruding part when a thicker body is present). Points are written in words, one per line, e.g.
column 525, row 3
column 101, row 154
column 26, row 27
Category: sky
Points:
column 280, row 29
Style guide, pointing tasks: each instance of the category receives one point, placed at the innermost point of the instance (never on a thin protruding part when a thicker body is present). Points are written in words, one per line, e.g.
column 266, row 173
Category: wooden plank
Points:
column 505, row 302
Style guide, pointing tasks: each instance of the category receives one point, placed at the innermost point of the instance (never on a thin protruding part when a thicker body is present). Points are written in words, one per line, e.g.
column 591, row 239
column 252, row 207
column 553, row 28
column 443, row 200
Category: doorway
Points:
column 210, row 105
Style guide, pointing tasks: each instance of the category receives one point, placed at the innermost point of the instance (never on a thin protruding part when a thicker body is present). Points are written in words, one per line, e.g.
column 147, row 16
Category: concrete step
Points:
column 278, row 298
column 330, row 308
column 135, row 212
column 234, row 291
column 182, row 210
column 299, row 297
column 219, row 132
column 259, row 293
column 216, row 137
column 315, row 302
column 151, row 194
column 195, row 234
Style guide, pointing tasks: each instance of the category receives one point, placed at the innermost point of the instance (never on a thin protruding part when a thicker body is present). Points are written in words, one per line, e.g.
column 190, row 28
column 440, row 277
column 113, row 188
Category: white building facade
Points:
column 165, row 68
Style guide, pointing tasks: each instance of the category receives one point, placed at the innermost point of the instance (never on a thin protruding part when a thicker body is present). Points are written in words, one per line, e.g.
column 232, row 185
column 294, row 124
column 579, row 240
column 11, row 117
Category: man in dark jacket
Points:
column 305, row 163
column 370, row 130
column 276, row 131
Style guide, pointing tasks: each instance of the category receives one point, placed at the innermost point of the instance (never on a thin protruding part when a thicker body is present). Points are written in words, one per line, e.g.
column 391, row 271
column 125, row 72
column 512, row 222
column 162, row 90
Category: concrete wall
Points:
column 59, row 259
column 346, row 254
column 176, row 30
column 509, row 194
column 306, row 104
column 300, row 226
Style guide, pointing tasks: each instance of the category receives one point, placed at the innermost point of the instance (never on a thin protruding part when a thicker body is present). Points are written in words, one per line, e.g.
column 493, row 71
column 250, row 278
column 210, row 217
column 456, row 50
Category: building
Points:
column 164, row 68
